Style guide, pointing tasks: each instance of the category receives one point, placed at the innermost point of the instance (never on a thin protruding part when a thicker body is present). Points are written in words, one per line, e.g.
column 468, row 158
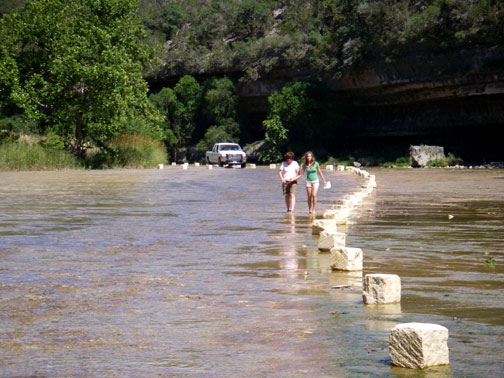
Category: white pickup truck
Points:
column 226, row 154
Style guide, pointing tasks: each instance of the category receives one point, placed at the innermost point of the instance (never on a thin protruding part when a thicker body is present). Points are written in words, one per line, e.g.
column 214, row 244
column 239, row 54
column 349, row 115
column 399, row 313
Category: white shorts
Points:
column 312, row 184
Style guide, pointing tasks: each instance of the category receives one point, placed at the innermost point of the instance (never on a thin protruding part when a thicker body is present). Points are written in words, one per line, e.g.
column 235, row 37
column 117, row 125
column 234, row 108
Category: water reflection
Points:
column 289, row 264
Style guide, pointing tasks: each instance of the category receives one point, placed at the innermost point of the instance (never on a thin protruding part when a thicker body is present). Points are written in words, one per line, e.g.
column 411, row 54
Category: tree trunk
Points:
column 78, row 135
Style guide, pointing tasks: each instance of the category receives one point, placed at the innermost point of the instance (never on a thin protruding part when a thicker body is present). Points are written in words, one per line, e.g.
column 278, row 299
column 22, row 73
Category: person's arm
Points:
column 321, row 174
column 280, row 175
column 299, row 173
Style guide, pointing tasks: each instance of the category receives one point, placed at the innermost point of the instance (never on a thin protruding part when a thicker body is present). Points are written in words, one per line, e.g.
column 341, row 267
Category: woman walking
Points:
column 312, row 169
column 289, row 172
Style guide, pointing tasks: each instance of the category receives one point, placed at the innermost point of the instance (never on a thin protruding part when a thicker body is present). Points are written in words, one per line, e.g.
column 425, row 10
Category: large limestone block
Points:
column 319, row 225
column 329, row 167
column 422, row 155
column 252, row 166
column 346, row 258
column 329, row 240
column 418, row 345
column 341, row 217
column 341, row 168
column 272, row 166
column 381, row 288
column 160, row 166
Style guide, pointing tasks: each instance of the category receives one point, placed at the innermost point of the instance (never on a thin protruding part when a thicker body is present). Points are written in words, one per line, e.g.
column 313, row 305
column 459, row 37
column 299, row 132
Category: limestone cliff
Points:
column 454, row 99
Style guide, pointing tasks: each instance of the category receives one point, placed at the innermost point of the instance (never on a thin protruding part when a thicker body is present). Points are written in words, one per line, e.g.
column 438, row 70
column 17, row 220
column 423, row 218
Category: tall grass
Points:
column 18, row 156
column 128, row 151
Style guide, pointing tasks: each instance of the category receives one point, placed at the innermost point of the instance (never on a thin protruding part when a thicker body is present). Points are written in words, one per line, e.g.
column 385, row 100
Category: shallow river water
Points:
column 189, row 273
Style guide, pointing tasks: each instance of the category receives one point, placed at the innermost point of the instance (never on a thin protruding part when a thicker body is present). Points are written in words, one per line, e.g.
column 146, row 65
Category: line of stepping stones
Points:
column 411, row 345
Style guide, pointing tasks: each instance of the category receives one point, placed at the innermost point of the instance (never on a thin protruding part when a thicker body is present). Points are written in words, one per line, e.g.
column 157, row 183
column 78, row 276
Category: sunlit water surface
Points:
column 146, row 273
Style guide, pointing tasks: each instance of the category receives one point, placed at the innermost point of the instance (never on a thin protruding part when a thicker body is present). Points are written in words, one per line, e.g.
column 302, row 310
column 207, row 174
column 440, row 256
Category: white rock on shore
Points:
column 418, row 345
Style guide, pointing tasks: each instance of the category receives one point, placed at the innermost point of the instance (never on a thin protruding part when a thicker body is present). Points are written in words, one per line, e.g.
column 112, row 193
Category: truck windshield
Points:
column 230, row 148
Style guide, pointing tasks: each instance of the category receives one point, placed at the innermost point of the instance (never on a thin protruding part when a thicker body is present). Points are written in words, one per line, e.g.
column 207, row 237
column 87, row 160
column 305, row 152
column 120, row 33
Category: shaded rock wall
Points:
column 455, row 100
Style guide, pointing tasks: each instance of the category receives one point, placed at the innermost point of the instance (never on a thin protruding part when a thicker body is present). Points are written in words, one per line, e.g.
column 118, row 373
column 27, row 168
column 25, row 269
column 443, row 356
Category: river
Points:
column 189, row 273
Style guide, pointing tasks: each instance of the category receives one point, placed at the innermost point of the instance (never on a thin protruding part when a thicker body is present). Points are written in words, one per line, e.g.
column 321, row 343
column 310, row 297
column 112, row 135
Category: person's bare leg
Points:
column 292, row 202
column 314, row 197
column 287, row 201
column 309, row 195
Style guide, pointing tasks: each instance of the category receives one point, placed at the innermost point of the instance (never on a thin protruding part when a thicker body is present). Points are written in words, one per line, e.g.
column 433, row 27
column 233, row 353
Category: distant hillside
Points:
column 326, row 37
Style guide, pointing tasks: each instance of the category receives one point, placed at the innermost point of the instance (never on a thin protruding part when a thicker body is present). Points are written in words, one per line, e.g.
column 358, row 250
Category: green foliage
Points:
column 128, row 151
column 253, row 18
column 220, row 111
column 220, row 100
column 301, row 113
column 173, row 17
column 15, row 155
column 215, row 134
column 490, row 262
column 323, row 36
column 286, row 109
column 276, row 136
column 403, row 161
column 52, row 142
column 180, row 107
column 449, row 161
column 291, row 103
column 76, row 66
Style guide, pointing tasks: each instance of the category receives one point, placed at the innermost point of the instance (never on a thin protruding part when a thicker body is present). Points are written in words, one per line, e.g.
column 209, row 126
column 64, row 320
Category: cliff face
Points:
column 455, row 100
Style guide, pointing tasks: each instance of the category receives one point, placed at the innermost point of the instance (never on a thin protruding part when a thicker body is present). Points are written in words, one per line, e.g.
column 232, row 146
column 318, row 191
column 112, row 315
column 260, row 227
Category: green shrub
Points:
column 436, row 163
column 21, row 156
column 128, row 151
column 403, row 161
column 52, row 142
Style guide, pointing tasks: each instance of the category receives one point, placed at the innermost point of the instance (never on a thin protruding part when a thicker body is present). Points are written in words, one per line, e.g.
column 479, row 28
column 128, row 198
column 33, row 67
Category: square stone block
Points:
column 341, row 217
column 418, row 345
column 319, row 225
column 330, row 240
column 381, row 289
column 346, row 258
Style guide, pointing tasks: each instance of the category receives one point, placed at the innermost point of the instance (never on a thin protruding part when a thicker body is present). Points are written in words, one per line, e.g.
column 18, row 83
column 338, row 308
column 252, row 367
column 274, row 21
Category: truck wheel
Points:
column 220, row 164
column 208, row 161
column 244, row 165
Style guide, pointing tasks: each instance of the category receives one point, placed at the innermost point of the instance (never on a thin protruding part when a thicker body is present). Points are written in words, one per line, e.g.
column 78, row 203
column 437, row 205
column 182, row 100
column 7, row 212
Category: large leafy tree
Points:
column 180, row 107
column 76, row 66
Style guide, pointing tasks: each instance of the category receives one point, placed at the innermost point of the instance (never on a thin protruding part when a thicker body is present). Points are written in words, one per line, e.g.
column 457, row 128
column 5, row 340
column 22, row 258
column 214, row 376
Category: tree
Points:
column 221, row 100
column 76, row 66
column 287, row 109
column 276, row 136
column 180, row 107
